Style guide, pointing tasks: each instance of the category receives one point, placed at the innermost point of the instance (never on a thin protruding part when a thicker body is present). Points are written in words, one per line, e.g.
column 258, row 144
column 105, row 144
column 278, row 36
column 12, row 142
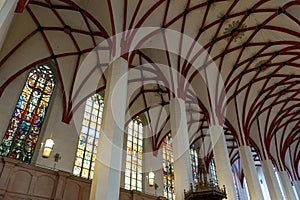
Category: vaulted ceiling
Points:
column 249, row 49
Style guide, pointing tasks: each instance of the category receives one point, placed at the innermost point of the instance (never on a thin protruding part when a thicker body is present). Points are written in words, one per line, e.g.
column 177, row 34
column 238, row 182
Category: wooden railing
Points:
column 23, row 181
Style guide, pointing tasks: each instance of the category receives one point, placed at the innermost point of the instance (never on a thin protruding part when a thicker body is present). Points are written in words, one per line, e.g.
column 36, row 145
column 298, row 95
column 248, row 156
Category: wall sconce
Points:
column 57, row 157
column 48, row 148
column 151, row 179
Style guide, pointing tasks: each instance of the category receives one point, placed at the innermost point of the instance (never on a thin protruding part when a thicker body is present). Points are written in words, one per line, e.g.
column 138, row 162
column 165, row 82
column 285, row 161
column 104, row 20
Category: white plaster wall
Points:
column 64, row 135
column 8, row 101
column 152, row 163
column 2, row 2
column 7, row 9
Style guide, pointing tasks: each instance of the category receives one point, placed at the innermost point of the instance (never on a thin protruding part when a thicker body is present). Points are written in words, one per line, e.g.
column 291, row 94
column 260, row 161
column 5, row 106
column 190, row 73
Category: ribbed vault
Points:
column 253, row 44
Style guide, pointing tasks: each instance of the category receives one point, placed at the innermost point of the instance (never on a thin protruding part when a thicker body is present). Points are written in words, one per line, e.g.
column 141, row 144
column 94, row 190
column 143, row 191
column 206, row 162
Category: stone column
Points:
column 181, row 153
column 106, row 181
column 287, row 185
column 222, row 161
column 271, row 180
column 253, row 183
column 6, row 16
column 297, row 187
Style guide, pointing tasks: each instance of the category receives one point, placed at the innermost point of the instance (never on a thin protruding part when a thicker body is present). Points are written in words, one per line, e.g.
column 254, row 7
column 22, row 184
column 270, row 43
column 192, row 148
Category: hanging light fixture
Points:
column 151, row 179
column 48, row 147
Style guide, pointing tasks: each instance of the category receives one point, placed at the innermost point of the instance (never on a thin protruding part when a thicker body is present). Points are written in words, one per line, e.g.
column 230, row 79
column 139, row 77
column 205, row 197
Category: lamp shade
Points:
column 151, row 178
column 48, row 148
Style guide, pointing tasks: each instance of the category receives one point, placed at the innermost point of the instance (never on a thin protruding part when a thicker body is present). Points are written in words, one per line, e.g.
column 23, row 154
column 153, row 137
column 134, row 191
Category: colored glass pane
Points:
column 194, row 162
column 213, row 172
column 88, row 138
column 168, row 168
column 23, row 131
column 134, row 158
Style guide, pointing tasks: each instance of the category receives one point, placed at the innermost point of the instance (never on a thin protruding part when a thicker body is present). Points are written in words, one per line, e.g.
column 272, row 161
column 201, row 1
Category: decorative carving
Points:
column 205, row 190
column 234, row 29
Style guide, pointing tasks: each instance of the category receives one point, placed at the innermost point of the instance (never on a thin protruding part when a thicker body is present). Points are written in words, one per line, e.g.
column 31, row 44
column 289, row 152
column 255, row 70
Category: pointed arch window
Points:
column 194, row 162
column 134, row 158
column 88, row 137
column 25, row 125
column 168, row 167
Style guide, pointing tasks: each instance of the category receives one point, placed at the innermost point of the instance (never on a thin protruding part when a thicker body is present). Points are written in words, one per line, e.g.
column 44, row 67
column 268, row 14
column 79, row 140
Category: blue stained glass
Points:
column 23, row 130
column 213, row 172
column 88, row 142
column 194, row 162
column 134, row 156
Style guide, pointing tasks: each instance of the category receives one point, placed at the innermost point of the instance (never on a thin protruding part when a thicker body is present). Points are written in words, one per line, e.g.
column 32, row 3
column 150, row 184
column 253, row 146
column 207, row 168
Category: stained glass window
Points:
column 23, row 131
column 134, row 158
column 168, row 168
column 88, row 137
column 213, row 172
column 194, row 162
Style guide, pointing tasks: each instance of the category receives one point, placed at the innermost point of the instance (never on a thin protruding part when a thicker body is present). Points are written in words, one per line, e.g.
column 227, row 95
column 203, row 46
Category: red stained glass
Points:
column 23, row 130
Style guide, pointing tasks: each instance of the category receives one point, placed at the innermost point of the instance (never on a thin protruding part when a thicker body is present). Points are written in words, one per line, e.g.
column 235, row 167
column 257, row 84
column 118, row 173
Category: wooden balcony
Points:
column 21, row 181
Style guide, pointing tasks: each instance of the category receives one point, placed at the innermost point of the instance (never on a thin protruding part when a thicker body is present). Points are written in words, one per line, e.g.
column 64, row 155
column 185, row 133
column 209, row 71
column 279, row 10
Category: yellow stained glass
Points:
column 93, row 125
column 168, row 168
column 135, row 140
column 91, row 174
column 24, row 127
column 86, row 164
column 94, row 157
column 85, row 122
column 88, row 155
column 88, row 141
column 79, row 153
column 85, row 173
column 134, row 156
column 78, row 162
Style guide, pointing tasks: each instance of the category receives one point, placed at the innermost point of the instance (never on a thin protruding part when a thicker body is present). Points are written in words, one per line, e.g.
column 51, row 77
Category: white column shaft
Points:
column 287, row 185
column 297, row 187
column 253, row 183
column 270, row 177
column 222, row 161
column 182, row 161
column 106, row 181
column 6, row 16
